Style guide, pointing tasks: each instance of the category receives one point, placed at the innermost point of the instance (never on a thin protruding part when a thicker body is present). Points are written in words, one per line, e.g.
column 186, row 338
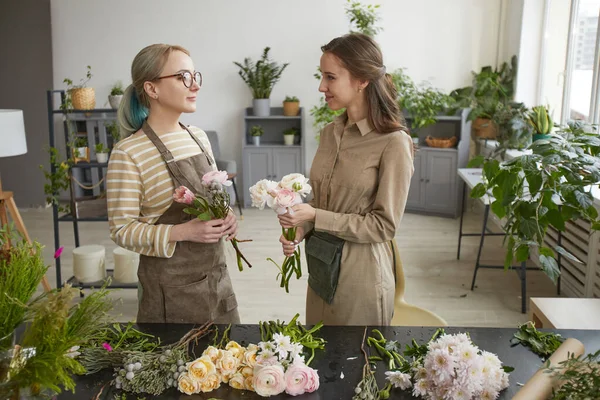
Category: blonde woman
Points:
column 361, row 174
column 182, row 273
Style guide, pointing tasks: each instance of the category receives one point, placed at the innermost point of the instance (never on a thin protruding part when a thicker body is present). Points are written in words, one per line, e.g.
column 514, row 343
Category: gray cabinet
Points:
column 434, row 185
column 272, row 159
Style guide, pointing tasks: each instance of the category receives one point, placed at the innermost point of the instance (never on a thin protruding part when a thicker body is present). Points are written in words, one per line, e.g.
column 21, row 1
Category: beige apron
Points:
column 193, row 286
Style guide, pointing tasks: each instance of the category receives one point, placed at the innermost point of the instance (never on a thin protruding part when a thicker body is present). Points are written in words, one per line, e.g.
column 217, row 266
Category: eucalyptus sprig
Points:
column 367, row 388
column 579, row 377
column 297, row 333
column 544, row 344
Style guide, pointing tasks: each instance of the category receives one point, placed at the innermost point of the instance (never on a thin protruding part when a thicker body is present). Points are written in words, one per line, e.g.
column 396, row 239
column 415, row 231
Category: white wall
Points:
column 436, row 40
column 510, row 29
column 527, row 89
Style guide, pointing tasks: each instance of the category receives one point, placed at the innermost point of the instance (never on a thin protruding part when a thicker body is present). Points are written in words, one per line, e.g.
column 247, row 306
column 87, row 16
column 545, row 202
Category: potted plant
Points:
column 113, row 130
column 514, row 132
column 57, row 181
column 80, row 149
column 101, row 153
column 80, row 97
column 291, row 106
column 549, row 187
column 116, row 94
column 540, row 120
column 256, row 132
column 289, row 135
column 260, row 78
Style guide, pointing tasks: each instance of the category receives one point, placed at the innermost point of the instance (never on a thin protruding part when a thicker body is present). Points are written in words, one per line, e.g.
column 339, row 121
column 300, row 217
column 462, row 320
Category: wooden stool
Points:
column 231, row 177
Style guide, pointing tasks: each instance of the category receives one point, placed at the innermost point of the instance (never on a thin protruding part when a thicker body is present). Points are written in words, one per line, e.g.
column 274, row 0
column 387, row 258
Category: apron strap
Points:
column 208, row 158
column 167, row 156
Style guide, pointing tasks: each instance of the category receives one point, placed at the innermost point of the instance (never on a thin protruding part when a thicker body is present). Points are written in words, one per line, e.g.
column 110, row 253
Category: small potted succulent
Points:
column 289, row 135
column 116, row 94
column 291, row 106
column 101, row 153
column 80, row 149
column 256, row 132
column 541, row 121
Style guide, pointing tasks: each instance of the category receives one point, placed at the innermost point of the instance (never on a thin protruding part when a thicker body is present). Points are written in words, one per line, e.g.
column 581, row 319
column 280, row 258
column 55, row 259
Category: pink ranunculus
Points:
column 58, row 252
column 269, row 380
column 183, row 195
column 313, row 382
column 297, row 378
column 216, row 176
column 285, row 200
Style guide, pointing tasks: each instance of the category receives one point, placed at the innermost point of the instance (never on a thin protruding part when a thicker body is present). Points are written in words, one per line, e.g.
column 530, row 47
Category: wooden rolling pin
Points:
column 540, row 386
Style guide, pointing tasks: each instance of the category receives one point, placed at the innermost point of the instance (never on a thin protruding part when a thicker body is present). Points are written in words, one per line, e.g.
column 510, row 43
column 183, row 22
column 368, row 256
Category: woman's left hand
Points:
column 301, row 213
column 231, row 226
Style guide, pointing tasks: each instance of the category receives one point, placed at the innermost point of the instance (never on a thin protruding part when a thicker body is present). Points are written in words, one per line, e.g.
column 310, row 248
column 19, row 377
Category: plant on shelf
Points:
column 540, row 120
column 291, row 106
column 101, row 153
column 256, row 132
column 79, row 147
column 261, row 77
column 363, row 17
column 113, row 131
column 57, row 181
column 422, row 103
column 79, row 97
column 489, row 88
column 514, row 132
column 116, row 94
column 550, row 187
column 289, row 135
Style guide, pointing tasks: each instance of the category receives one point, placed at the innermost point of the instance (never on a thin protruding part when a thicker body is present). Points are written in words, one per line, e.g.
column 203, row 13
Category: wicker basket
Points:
column 83, row 98
column 483, row 128
column 441, row 142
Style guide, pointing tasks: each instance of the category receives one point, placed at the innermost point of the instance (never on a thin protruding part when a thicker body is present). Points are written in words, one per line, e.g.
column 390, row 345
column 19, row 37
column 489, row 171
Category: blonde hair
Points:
column 147, row 65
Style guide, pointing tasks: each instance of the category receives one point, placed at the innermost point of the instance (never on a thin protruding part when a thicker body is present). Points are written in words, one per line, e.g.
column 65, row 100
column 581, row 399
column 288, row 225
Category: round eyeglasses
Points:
column 186, row 78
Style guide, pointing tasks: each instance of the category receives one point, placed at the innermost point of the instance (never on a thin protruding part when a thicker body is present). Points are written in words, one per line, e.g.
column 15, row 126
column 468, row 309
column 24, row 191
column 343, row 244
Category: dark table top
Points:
column 342, row 354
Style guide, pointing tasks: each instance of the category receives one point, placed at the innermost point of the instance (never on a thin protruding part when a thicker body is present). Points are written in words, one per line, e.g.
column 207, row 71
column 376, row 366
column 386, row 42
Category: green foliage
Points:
column 363, row 17
column 544, row 344
column 58, row 180
column 514, row 131
column 117, row 89
column 113, row 131
column 292, row 99
column 549, row 187
column 541, row 121
column 68, row 103
column 101, row 148
column 257, row 130
column 290, row 131
column 580, row 377
column 80, row 141
column 422, row 102
column 323, row 115
column 21, row 270
column 261, row 76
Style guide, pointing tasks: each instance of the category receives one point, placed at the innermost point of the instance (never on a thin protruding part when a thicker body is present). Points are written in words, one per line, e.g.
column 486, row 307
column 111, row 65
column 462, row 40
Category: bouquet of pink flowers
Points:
column 281, row 197
column 216, row 205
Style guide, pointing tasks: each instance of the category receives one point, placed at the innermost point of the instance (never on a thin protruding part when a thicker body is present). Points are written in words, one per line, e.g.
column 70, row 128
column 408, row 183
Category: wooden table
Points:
column 565, row 313
column 340, row 365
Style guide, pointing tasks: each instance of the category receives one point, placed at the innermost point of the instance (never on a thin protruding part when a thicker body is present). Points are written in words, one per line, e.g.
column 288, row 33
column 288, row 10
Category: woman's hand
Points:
column 230, row 225
column 301, row 213
column 198, row 231
column 290, row 246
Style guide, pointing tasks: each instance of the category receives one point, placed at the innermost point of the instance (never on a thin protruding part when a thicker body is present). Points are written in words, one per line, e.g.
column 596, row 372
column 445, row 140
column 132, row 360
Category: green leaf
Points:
column 570, row 256
column 535, row 183
column 584, row 199
column 498, row 209
column 507, row 369
column 509, row 253
column 205, row 216
column 191, row 211
column 478, row 191
column 528, row 227
column 556, row 220
column 596, row 226
column 550, row 267
column 491, row 168
column 546, row 252
column 522, row 253
column 476, row 162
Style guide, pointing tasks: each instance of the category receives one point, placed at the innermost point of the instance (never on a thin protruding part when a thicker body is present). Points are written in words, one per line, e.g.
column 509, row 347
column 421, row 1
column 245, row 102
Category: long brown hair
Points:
column 362, row 57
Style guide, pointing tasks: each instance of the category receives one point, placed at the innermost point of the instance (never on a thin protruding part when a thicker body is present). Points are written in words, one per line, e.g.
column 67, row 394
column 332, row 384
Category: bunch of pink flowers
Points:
column 282, row 197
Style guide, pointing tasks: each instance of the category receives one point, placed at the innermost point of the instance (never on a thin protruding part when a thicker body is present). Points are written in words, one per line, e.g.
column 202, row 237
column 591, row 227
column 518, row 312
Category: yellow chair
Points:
column 407, row 314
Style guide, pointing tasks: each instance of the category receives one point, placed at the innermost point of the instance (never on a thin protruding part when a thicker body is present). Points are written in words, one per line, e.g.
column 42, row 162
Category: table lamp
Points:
column 13, row 143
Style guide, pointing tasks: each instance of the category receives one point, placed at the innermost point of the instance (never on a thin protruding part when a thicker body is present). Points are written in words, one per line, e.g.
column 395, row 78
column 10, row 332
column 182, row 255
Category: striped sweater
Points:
column 139, row 190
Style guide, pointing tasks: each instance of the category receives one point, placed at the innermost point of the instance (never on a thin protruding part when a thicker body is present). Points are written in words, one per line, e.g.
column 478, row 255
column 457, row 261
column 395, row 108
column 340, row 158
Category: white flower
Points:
column 421, row 388
column 283, row 343
column 72, row 352
column 296, row 349
column 398, row 379
column 296, row 182
column 267, row 347
column 261, row 193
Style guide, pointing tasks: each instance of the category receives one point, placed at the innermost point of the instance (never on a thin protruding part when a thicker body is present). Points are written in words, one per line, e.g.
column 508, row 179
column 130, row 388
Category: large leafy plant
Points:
column 549, row 187
column 261, row 76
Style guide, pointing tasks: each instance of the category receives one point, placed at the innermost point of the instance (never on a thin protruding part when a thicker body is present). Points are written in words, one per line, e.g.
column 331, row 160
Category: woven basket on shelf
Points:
column 441, row 142
column 83, row 98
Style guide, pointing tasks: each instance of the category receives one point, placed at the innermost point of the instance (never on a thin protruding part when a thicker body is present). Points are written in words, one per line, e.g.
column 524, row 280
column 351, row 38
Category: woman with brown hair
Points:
column 360, row 176
column 182, row 273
